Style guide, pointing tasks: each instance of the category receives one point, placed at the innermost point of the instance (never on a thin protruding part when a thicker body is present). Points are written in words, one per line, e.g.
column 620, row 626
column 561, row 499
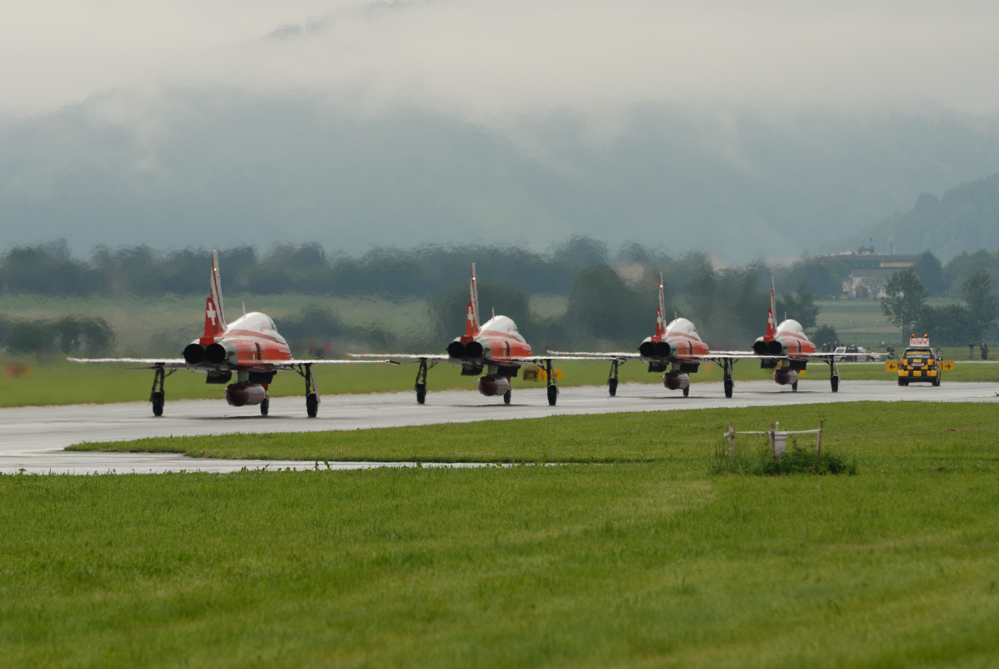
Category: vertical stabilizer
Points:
column 472, row 315
column 214, row 318
column 771, row 315
column 661, row 311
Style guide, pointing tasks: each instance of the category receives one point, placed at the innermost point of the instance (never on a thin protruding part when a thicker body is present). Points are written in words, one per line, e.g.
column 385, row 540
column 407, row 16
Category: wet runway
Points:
column 32, row 439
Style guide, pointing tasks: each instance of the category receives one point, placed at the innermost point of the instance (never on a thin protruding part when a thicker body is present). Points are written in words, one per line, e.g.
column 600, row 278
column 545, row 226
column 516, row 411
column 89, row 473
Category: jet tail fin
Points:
column 472, row 314
column 771, row 315
column 214, row 316
column 661, row 311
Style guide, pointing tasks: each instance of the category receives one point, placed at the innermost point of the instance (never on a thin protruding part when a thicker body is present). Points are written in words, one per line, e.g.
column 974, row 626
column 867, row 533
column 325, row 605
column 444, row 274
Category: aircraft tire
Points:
column 421, row 393
column 265, row 406
column 612, row 387
column 728, row 388
column 552, row 395
column 507, row 396
column 794, row 386
column 686, row 391
column 312, row 405
column 834, row 382
column 158, row 402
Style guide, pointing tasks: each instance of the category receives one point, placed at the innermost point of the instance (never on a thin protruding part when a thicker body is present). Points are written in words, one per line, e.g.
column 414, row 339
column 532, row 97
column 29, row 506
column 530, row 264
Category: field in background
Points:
column 651, row 563
column 164, row 324
column 861, row 322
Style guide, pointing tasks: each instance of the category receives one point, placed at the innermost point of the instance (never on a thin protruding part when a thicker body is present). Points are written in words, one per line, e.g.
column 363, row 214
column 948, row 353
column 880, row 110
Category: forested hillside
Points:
column 965, row 217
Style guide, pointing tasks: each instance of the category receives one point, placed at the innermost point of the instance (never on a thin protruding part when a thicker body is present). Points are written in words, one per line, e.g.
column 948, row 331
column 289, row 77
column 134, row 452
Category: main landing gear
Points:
column 158, row 397
column 612, row 377
column 728, row 382
column 421, row 381
column 552, row 383
column 834, row 376
column 311, row 391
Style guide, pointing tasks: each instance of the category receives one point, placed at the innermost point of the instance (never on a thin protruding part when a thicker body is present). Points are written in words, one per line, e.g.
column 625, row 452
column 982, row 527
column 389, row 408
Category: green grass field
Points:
column 648, row 562
column 55, row 381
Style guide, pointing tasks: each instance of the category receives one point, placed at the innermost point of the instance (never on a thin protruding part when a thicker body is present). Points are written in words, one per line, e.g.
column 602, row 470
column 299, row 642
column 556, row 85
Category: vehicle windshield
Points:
column 919, row 353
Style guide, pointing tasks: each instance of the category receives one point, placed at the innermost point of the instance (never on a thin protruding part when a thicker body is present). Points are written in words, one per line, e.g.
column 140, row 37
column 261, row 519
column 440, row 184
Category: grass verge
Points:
column 618, row 437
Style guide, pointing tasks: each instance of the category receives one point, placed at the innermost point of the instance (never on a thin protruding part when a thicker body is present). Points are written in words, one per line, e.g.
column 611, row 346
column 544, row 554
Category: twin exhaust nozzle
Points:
column 213, row 354
column 773, row 347
column 655, row 349
column 459, row 350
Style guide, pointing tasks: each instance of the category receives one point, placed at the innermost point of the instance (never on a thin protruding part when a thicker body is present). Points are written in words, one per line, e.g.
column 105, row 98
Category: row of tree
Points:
column 826, row 274
column 70, row 334
column 951, row 325
column 50, row 269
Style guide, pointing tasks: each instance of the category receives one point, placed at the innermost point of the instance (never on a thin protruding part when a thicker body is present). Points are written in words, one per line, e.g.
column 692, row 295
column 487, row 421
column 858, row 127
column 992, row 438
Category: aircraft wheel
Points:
column 158, row 401
column 794, row 386
column 265, row 406
column 421, row 393
column 686, row 391
column 552, row 395
column 507, row 396
column 312, row 405
column 834, row 382
column 612, row 387
column 728, row 388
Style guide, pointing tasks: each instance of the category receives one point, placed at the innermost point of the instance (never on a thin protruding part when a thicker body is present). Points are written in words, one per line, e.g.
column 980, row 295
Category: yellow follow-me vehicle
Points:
column 918, row 364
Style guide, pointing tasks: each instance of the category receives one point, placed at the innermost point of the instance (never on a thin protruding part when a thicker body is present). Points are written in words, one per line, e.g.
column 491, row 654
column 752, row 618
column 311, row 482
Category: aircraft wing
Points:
column 151, row 363
column 321, row 361
column 390, row 358
column 587, row 355
column 540, row 359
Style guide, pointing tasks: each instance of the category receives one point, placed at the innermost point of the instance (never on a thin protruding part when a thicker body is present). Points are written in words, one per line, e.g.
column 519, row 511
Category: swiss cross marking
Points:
column 211, row 313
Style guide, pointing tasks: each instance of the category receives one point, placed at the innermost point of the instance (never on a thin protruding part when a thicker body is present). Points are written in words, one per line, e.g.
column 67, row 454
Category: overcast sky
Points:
column 489, row 61
column 756, row 128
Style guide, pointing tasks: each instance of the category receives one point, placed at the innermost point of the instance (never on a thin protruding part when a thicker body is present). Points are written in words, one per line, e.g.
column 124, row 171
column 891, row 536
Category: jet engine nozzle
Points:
column 773, row 347
column 220, row 353
column 456, row 349
column 653, row 349
column 194, row 354
column 676, row 380
column 490, row 385
column 245, row 394
column 474, row 349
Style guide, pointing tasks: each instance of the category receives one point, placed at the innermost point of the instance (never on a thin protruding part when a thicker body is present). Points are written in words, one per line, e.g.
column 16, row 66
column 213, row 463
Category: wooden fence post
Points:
column 773, row 443
column 731, row 440
column 818, row 441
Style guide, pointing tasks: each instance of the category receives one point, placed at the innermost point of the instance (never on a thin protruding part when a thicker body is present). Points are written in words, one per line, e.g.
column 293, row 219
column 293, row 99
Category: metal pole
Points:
column 731, row 440
column 818, row 441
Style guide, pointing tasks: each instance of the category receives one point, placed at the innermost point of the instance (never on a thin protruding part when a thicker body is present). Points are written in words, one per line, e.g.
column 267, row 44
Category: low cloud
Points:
column 489, row 62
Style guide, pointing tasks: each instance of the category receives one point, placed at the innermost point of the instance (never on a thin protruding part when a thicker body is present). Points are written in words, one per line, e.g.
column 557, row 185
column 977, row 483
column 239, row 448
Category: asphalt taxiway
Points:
column 32, row 439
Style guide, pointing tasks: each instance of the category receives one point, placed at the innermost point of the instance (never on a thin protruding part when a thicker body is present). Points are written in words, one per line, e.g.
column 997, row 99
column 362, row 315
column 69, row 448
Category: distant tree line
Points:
column 611, row 297
column 70, row 334
column 826, row 274
column 950, row 325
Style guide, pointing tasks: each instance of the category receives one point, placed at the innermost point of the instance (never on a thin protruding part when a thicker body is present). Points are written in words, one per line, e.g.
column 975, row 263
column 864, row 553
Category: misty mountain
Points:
column 963, row 219
column 223, row 169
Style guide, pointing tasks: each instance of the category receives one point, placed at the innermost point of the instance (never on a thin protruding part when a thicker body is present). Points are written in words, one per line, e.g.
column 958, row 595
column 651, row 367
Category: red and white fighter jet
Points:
column 495, row 346
column 251, row 348
column 786, row 349
column 675, row 349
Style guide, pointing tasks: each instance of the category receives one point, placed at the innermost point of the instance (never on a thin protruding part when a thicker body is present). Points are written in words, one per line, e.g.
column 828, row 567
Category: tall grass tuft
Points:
column 796, row 460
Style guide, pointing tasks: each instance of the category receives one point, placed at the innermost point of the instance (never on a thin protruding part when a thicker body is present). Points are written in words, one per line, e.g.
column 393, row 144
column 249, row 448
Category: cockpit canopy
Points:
column 681, row 326
column 791, row 326
column 502, row 324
